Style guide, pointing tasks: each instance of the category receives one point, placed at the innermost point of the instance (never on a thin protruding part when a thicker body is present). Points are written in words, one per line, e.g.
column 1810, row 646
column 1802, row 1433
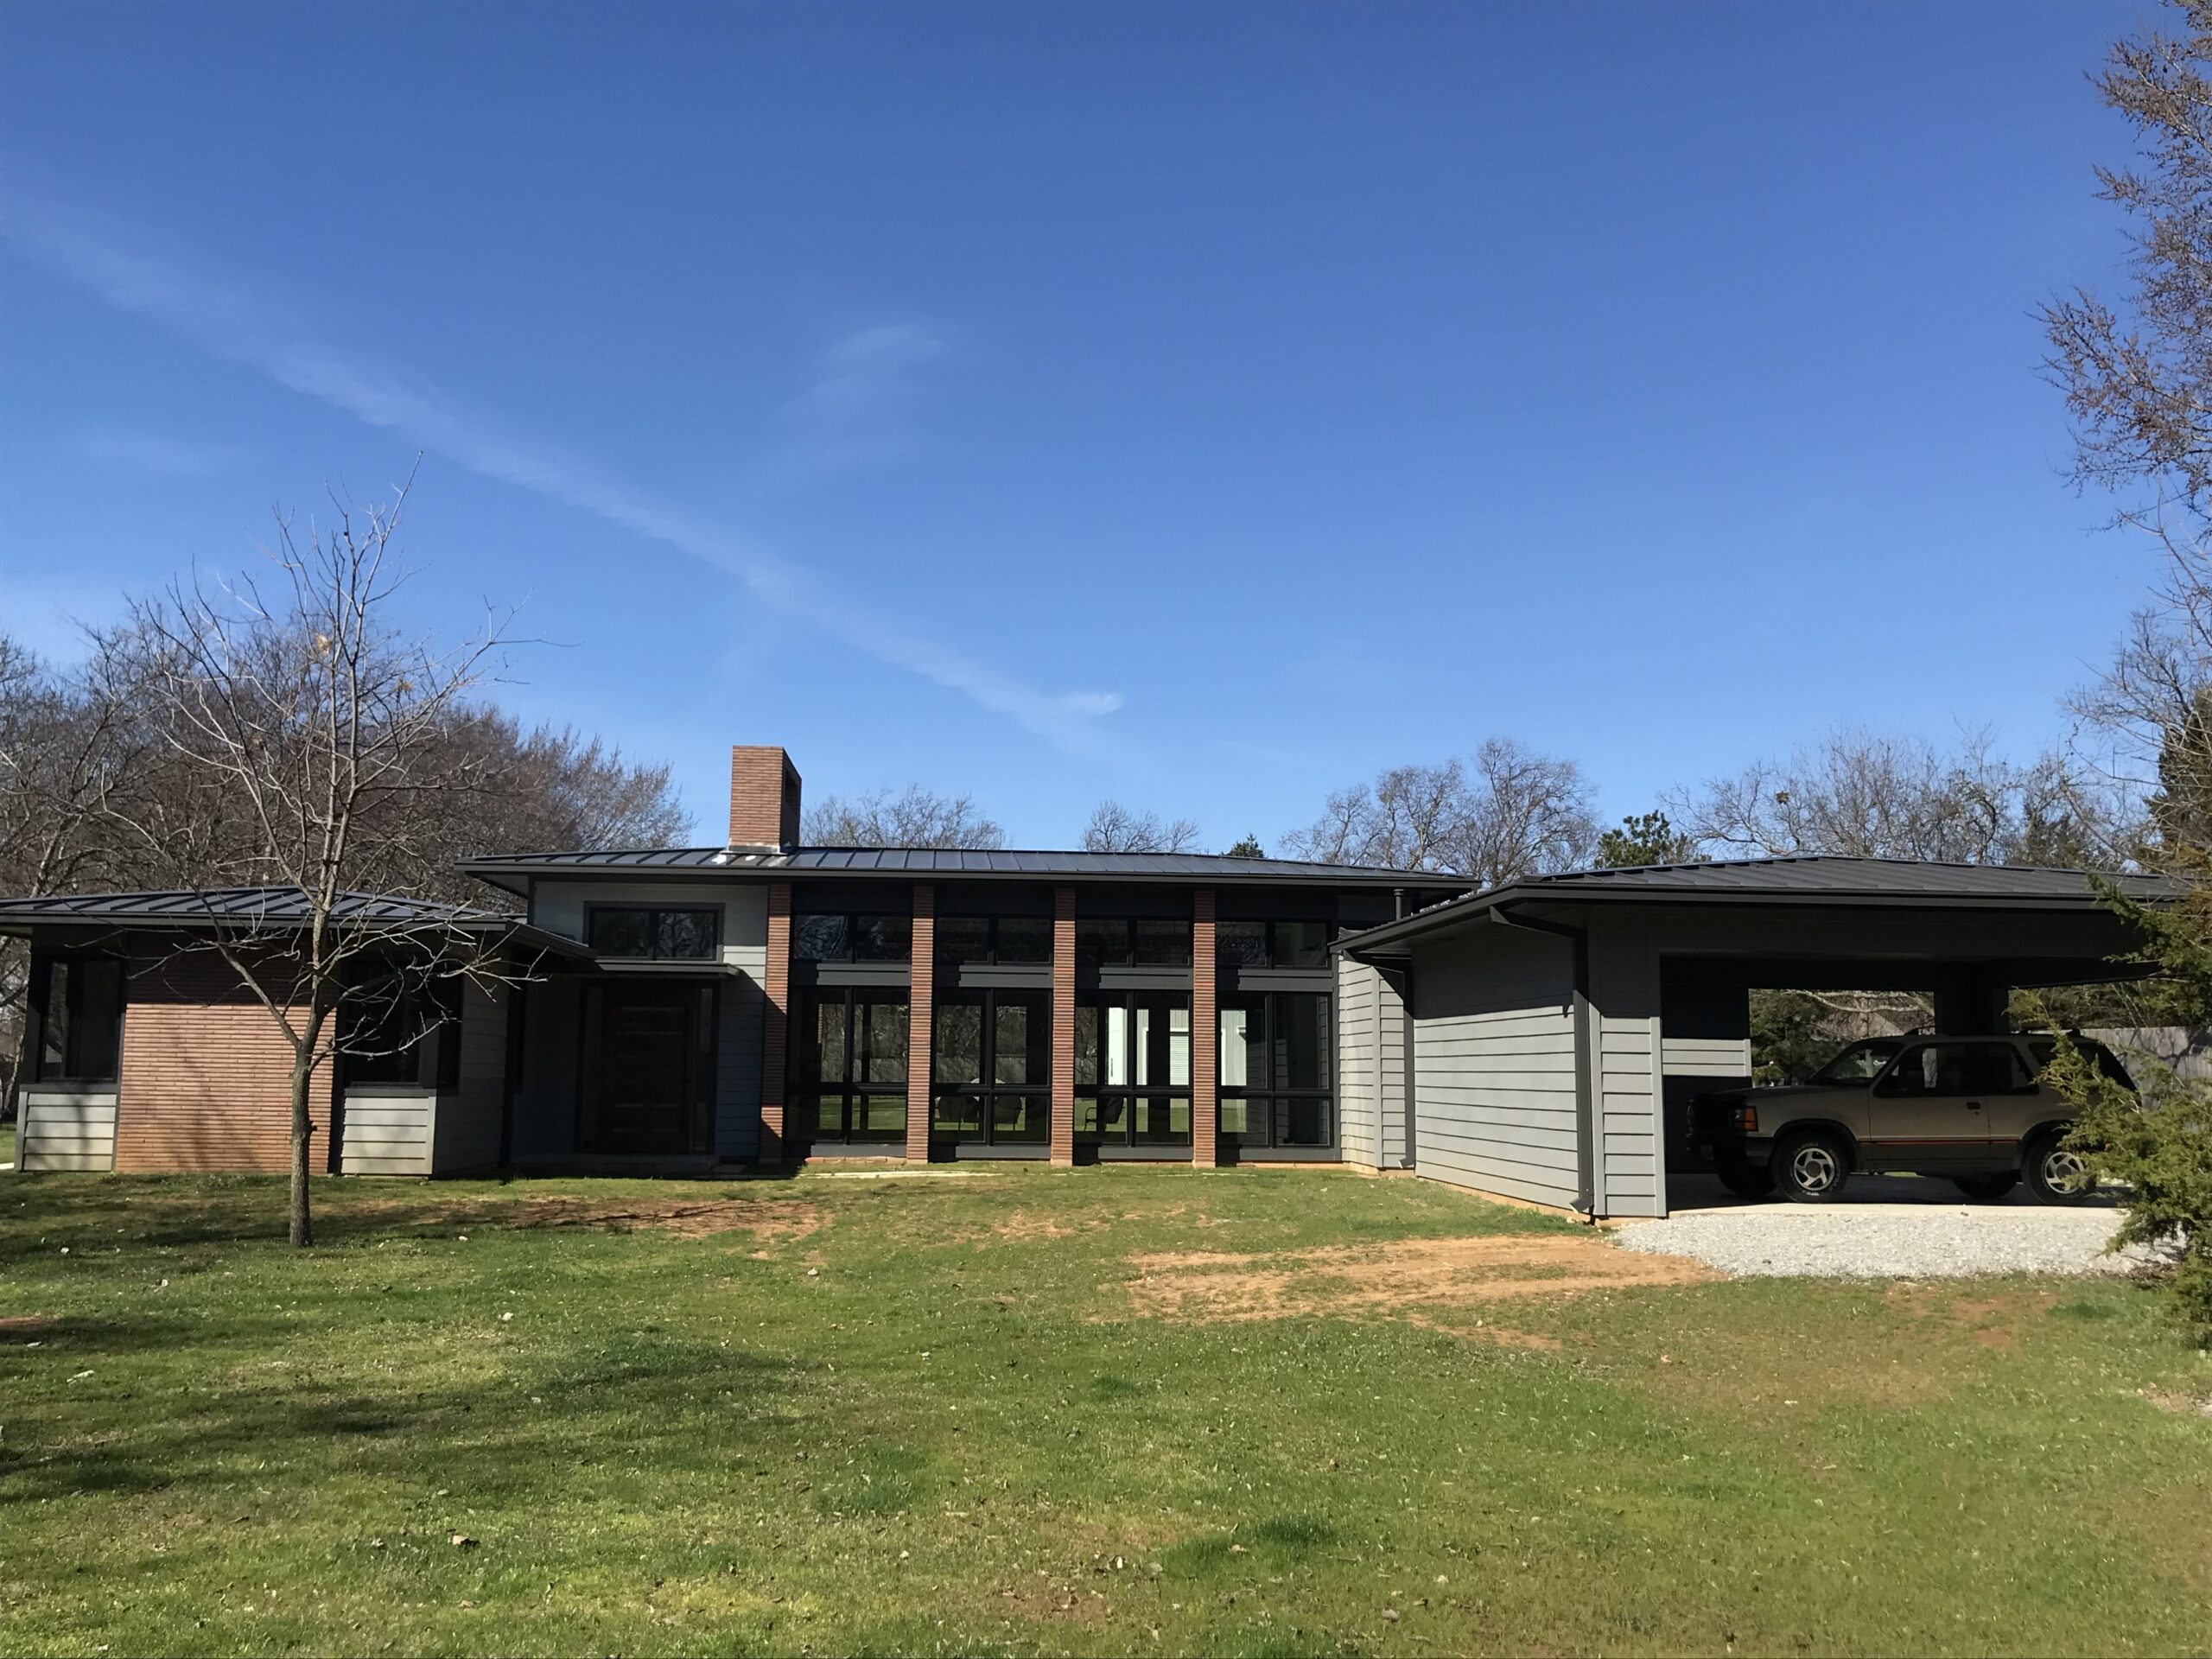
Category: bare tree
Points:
column 295, row 750
column 1116, row 828
column 1865, row 795
column 1503, row 812
column 540, row 788
column 2138, row 380
column 59, row 748
column 915, row 817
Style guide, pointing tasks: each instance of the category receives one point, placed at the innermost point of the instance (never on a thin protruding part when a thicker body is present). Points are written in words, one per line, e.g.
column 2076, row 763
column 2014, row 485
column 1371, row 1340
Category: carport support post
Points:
column 1971, row 1003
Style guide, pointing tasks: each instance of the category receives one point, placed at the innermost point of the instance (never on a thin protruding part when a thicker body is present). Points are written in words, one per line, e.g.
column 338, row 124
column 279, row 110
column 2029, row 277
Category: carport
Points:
column 1553, row 1027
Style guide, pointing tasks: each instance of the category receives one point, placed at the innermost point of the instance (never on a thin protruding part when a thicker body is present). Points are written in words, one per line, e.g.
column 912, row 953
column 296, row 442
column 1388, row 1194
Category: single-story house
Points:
column 682, row 1010
column 689, row 1010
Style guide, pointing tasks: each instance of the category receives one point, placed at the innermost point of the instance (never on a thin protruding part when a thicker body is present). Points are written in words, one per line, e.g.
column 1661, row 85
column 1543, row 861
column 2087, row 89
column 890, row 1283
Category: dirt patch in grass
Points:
column 1401, row 1277
column 1987, row 1321
column 780, row 1223
column 1019, row 1226
column 2179, row 1403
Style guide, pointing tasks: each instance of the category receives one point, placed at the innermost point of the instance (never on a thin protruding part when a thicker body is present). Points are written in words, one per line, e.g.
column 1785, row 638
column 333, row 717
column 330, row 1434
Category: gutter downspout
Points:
column 1585, row 1071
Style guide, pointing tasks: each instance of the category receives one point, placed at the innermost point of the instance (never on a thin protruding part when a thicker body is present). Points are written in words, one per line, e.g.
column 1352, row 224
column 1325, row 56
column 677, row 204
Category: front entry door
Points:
column 1931, row 1108
column 649, row 1049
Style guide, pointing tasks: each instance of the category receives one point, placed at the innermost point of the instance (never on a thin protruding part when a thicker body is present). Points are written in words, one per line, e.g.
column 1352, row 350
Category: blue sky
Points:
column 1200, row 405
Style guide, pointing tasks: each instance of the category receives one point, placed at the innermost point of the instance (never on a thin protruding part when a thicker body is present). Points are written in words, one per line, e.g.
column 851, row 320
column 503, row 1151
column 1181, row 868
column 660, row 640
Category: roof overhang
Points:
column 1572, row 904
column 515, row 936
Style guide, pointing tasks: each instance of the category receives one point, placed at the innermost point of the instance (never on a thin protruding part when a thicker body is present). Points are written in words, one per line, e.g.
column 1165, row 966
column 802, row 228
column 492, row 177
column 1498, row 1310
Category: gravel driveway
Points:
column 1889, row 1227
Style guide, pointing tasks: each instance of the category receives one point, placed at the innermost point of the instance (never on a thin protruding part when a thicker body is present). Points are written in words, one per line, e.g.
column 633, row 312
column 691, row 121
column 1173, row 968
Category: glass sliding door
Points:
column 1133, row 1069
column 849, row 1066
column 992, row 1067
column 1277, row 1084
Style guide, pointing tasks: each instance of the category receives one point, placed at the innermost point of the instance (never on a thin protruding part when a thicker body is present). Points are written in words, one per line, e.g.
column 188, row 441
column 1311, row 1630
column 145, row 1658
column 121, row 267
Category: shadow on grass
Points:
column 50, row 1210
column 675, row 1404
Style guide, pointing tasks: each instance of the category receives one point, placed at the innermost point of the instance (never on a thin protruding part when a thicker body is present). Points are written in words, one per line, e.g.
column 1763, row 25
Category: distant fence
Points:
column 2187, row 1050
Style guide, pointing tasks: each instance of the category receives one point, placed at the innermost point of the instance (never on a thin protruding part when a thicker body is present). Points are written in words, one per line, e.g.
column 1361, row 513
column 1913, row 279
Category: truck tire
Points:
column 1745, row 1181
column 2056, row 1173
column 1811, row 1166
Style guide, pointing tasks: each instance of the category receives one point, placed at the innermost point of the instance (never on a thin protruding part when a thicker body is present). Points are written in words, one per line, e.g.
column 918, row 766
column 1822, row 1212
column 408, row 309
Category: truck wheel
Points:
column 1994, row 1185
column 1811, row 1167
column 1746, row 1180
column 2056, row 1173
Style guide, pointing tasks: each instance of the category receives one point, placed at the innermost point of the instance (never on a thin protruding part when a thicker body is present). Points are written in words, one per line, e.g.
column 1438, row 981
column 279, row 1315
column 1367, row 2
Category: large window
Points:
column 1143, row 943
column 830, row 936
column 1025, row 939
column 648, row 933
column 992, row 1067
column 1271, row 944
column 1276, row 1072
column 1133, row 1069
column 408, row 1035
column 78, row 1001
column 849, row 1066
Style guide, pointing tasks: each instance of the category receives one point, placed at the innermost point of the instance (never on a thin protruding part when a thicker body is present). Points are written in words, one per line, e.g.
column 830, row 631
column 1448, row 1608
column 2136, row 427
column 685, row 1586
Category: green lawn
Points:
column 955, row 1415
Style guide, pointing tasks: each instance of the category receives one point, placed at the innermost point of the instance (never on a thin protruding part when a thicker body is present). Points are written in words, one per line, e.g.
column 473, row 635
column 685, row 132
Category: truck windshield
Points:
column 1861, row 1062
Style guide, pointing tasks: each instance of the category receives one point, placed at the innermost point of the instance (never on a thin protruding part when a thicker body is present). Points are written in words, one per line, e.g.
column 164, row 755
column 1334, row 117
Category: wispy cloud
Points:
column 855, row 402
column 225, row 317
column 155, row 454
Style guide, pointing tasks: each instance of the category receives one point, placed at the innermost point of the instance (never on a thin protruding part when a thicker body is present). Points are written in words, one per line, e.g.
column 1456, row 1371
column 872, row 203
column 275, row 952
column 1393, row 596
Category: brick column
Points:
column 1205, row 1033
column 921, row 1003
column 1063, row 1026
column 776, row 1030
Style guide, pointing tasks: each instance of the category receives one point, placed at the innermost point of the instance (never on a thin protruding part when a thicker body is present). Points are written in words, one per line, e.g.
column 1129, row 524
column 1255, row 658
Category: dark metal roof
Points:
column 249, row 907
column 1822, row 875
column 999, row 864
column 1806, row 879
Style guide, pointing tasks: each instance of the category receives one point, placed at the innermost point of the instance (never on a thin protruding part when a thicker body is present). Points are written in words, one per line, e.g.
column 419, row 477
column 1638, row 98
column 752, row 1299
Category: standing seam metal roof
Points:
column 242, row 905
column 1809, row 877
column 912, row 861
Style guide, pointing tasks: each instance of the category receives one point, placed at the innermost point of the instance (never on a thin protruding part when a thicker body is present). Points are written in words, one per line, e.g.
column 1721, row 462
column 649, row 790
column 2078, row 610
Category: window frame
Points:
column 38, row 1026
column 994, row 954
column 989, row 1092
column 1884, row 1087
column 852, row 919
column 1267, row 1095
column 1100, row 1093
column 653, row 913
column 804, row 1085
column 439, row 1044
column 1271, row 949
column 1131, row 955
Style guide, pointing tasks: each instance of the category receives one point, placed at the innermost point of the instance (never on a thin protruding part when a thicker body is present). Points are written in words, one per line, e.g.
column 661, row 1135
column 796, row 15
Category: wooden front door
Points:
column 648, row 1063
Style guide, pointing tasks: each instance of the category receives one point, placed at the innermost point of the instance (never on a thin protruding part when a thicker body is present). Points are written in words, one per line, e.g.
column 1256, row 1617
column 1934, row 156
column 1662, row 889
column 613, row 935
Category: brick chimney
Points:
column 763, row 798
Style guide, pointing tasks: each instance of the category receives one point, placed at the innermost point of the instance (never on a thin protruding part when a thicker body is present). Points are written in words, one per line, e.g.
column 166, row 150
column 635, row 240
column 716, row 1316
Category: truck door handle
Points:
column 1974, row 1105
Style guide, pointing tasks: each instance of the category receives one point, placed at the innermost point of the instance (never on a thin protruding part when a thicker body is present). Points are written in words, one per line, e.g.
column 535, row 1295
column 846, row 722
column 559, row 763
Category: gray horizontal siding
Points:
column 386, row 1134
column 466, row 1131
column 65, row 1130
column 1494, row 1067
column 1357, row 1102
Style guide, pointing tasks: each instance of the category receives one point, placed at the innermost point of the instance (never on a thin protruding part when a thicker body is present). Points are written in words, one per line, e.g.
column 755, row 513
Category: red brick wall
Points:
column 764, row 797
column 776, row 1033
column 1063, row 1026
column 920, row 1001
column 206, row 1077
column 1205, row 1034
